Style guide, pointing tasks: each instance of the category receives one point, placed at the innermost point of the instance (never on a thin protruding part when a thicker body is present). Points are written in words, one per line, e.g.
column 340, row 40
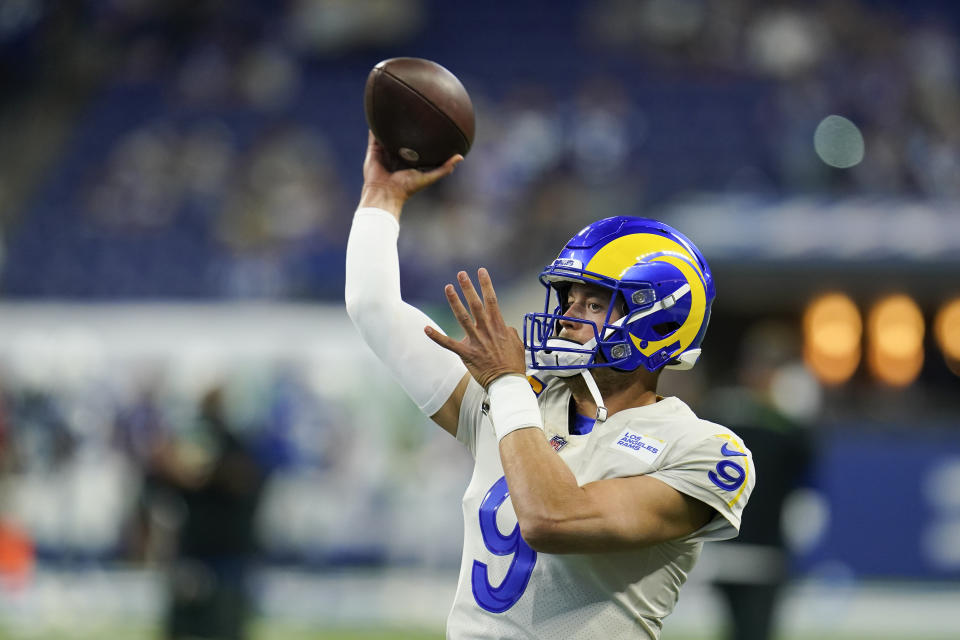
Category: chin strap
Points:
column 570, row 359
column 595, row 392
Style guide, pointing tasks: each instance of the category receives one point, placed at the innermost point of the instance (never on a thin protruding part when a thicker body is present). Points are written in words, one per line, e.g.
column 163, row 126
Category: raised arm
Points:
column 434, row 378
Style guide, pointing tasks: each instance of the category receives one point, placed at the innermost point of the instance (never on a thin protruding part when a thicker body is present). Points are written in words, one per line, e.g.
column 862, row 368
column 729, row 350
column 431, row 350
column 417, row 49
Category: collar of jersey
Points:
column 580, row 425
column 671, row 406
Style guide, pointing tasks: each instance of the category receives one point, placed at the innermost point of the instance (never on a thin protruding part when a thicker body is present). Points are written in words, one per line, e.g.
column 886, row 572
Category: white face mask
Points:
column 551, row 357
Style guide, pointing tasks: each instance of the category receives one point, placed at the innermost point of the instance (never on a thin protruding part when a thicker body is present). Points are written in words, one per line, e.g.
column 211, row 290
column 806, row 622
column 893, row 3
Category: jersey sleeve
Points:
column 717, row 470
column 471, row 413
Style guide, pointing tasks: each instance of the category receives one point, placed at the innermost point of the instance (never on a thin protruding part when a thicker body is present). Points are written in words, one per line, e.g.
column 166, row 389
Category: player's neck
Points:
column 619, row 390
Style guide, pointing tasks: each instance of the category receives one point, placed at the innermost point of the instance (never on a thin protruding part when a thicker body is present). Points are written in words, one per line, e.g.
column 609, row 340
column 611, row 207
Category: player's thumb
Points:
column 417, row 180
column 445, row 169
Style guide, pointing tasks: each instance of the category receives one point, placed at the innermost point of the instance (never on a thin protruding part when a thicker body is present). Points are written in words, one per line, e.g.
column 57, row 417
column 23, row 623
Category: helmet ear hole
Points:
column 665, row 328
column 620, row 304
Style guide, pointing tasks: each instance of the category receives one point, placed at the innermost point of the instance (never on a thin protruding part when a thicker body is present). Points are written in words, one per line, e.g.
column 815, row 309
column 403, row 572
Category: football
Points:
column 419, row 112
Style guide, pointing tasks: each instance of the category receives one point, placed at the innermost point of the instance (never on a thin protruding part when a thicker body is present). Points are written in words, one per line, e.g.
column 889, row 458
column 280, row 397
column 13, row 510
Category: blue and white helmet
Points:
column 656, row 277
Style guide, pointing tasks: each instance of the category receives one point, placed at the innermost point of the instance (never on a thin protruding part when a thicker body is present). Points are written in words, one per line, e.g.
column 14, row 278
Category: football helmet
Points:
column 659, row 284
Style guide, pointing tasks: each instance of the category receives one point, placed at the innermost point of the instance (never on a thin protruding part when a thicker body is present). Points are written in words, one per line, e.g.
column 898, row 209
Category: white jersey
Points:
column 506, row 590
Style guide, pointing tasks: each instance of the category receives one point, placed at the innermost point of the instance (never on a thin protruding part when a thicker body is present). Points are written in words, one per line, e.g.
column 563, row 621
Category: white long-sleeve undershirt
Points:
column 392, row 328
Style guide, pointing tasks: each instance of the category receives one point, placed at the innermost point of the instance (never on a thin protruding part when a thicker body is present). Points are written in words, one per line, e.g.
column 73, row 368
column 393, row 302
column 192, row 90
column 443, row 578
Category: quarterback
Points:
column 591, row 495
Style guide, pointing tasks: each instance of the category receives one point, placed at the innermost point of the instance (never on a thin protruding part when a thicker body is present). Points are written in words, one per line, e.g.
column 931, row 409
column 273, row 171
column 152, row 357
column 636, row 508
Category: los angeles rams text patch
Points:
column 647, row 448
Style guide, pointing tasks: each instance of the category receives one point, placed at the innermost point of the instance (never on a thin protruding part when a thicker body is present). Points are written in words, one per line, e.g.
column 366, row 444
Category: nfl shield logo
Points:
column 558, row 442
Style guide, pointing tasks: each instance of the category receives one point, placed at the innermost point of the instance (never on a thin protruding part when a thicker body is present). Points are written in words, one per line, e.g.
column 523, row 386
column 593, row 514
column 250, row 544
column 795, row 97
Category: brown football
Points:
column 419, row 112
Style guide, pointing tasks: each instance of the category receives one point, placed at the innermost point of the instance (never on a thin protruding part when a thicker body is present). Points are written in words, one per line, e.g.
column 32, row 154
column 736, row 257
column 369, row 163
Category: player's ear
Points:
column 620, row 304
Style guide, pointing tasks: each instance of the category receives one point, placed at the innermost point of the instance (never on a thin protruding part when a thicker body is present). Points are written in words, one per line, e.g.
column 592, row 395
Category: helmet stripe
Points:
column 614, row 259
column 620, row 254
column 687, row 333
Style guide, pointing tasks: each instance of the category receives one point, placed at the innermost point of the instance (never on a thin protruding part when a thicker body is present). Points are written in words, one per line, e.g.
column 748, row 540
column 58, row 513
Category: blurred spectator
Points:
column 16, row 556
column 197, row 191
column 282, row 204
column 42, row 436
column 5, row 441
column 16, row 549
column 217, row 482
column 752, row 569
column 322, row 27
column 139, row 430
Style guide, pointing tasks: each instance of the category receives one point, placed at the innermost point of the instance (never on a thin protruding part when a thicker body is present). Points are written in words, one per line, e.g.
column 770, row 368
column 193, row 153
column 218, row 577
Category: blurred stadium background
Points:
column 176, row 185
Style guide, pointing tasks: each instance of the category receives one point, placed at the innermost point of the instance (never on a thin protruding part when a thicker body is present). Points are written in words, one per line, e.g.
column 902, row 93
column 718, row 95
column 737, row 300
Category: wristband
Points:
column 513, row 405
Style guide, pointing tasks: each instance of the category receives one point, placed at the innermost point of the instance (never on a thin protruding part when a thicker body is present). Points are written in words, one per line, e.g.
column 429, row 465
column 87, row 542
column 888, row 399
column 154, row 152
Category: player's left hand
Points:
column 490, row 348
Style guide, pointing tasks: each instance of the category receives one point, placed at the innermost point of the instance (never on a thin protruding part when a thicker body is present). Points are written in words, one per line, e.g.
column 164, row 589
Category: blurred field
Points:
column 261, row 631
column 412, row 605
column 271, row 631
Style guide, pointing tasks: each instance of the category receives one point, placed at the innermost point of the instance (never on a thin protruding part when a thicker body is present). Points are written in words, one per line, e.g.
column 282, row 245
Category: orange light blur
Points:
column 832, row 331
column 946, row 328
column 895, row 331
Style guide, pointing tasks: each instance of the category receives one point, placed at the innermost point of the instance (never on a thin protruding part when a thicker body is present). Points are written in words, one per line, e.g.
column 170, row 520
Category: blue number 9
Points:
column 723, row 477
column 499, row 599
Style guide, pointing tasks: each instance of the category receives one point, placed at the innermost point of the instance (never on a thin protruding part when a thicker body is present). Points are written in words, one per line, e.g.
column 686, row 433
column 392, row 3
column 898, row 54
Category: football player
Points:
column 591, row 495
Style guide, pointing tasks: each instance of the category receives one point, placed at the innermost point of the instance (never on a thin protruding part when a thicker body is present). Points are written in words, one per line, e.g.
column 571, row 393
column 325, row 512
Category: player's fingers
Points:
column 444, row 340
column 370, row 148
column 473, row 299
column 376, row 160
column 460, row 312
column 489, row 295
column 374, row 148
